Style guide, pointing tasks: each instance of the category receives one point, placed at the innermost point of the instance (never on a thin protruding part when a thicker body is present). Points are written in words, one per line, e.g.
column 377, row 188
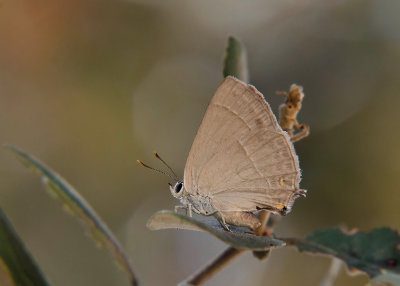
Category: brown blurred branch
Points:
column 213, row 267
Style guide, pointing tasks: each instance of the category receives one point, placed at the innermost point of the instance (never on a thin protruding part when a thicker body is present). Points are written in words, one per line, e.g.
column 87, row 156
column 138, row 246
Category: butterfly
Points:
column 240, row 162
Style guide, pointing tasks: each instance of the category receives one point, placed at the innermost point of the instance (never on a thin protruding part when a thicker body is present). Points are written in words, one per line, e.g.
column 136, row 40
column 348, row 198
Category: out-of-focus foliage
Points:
column 372, row 252
column 17, row 267
column 91, row 86
column 77, row 206
column 238, row 238
column 235, row 60
column 386, row 279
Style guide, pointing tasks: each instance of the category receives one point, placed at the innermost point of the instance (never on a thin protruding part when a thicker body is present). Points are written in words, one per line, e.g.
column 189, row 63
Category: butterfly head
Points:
column 177, row 190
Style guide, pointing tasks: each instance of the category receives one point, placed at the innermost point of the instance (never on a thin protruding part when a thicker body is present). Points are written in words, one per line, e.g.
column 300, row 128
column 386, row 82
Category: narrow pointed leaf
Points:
column 237, row 238
column 76, row 205
column 235, row 60
column 17, row 266
column 372, row 252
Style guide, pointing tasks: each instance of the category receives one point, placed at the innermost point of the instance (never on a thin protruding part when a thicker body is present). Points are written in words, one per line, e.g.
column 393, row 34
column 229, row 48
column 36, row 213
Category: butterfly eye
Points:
column 178, row 187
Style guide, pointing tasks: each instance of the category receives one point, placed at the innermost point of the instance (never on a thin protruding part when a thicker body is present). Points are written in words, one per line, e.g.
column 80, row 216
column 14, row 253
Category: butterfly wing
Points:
column 240, row 157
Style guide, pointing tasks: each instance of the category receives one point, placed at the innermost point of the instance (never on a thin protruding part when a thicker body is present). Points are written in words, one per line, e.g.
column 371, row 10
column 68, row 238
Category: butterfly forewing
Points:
column 240, row 157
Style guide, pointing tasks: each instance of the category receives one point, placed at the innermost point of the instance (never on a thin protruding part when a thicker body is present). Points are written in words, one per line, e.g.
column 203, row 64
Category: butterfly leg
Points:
column 238, row 218
column 189, row 210
column 221, row 220
column 178, row 208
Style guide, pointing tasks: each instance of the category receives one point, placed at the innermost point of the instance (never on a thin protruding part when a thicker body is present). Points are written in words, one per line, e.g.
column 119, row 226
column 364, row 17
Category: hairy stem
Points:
column 301, row 134
column 213, row 267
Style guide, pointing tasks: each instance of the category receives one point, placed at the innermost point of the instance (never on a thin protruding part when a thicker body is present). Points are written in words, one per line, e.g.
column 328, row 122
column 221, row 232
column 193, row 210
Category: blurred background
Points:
column 90, row 86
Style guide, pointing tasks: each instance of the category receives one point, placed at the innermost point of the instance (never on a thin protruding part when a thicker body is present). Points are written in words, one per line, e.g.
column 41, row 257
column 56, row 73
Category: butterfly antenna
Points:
column 165, row 163
column 154, row 169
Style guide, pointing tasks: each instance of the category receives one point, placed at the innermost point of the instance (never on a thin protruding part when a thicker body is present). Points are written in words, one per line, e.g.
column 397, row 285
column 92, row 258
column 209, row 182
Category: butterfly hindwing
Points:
column 240, row 157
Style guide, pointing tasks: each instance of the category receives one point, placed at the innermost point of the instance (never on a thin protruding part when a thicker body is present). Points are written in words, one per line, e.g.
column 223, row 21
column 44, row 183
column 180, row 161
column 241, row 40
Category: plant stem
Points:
column 264, row 216
column 213, row 267
column 262, row 230
column 290, row 241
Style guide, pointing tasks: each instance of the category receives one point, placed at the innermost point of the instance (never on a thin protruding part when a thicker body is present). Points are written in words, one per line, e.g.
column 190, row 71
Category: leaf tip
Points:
column 12, row 148
column 8, row 146
column 235, row 59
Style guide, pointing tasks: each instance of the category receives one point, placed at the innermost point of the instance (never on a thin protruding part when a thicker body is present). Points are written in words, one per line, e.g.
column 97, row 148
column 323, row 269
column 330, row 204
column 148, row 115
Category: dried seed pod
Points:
column 289, row 110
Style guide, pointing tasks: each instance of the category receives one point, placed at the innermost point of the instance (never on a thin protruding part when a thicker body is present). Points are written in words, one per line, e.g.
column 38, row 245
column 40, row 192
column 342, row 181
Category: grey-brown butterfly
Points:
column 241, row 160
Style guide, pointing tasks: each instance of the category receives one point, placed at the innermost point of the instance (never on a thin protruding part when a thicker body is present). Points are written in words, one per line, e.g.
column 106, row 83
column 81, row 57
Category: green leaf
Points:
column 371, row 252
column 235, row 60
column 237, row 238
column 17, row 267
column 386, row 279
column 76, row 205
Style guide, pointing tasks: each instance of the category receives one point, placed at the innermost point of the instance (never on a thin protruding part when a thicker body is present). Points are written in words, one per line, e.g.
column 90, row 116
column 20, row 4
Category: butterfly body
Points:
column 202, row 204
